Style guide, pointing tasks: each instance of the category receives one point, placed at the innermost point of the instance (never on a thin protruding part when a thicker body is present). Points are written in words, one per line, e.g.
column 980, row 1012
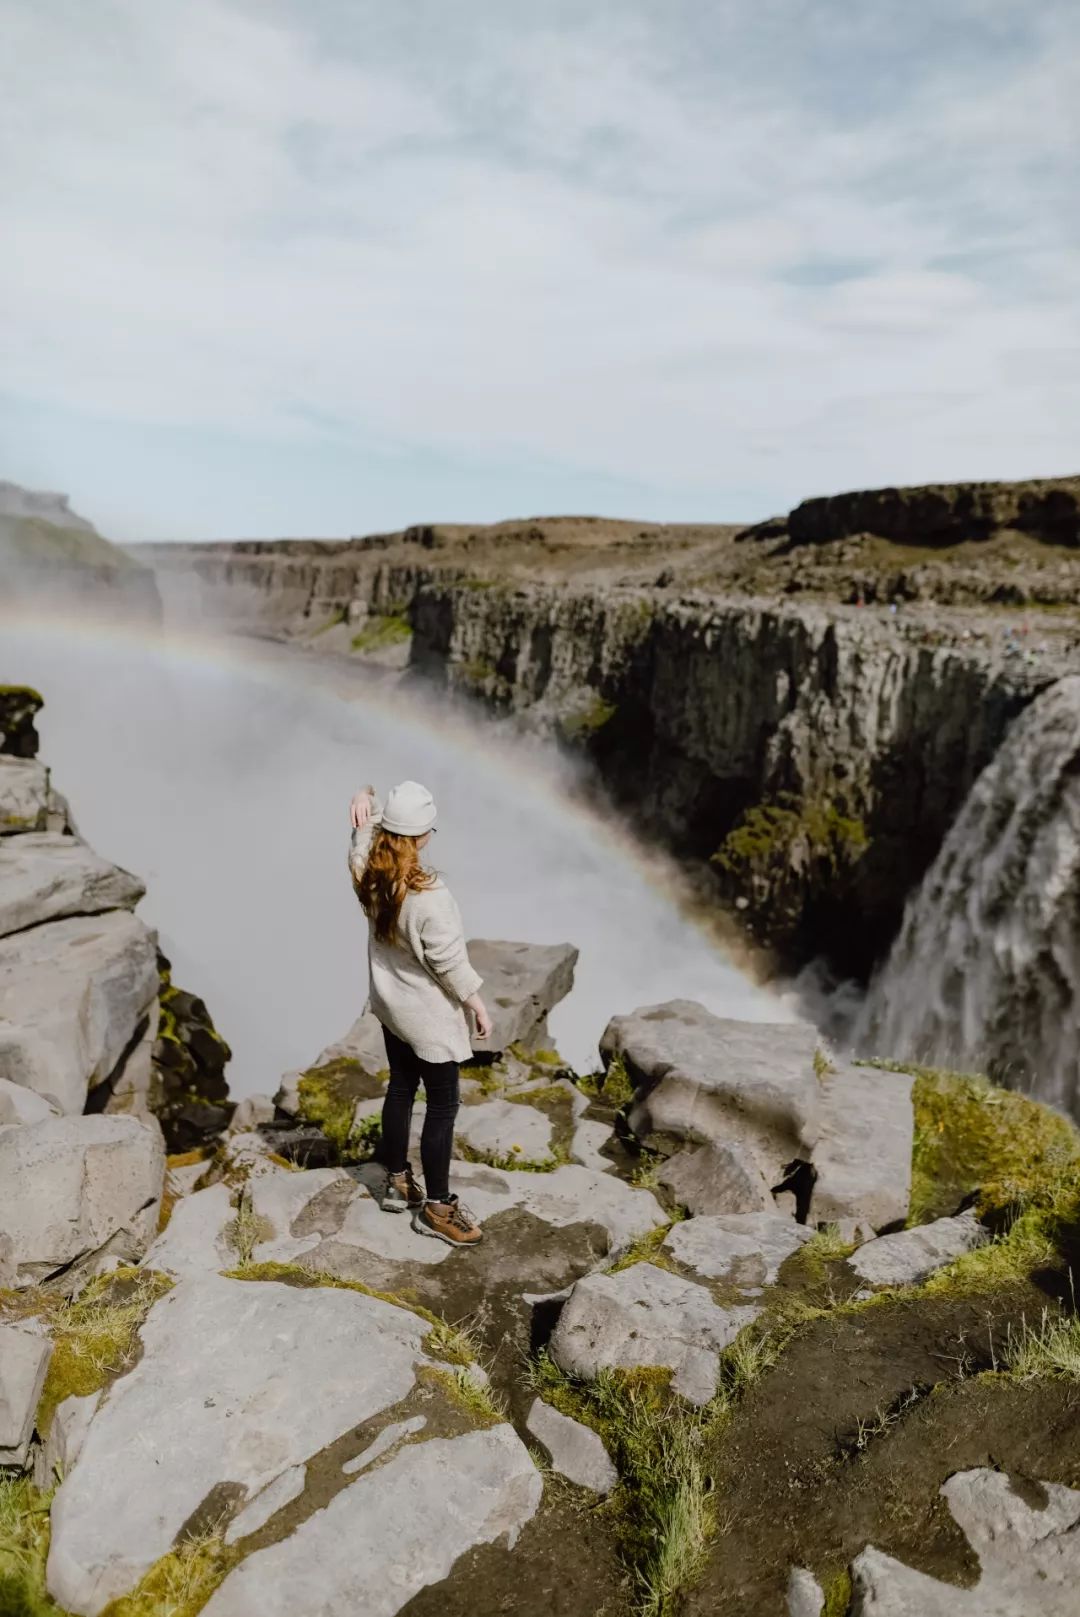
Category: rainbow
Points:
column 277, row 664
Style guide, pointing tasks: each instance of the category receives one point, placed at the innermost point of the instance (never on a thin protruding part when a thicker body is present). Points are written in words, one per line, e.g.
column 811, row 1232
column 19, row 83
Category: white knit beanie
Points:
column 409, row 811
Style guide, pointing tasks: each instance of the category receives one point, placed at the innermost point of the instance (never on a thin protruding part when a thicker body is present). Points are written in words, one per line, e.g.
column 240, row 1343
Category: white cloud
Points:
column 598, row 246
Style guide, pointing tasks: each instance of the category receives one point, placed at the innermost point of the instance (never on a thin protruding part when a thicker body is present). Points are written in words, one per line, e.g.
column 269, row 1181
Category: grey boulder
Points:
column 909, row 1256
column 1029, row 1557
column 24, row 1358
column 240, row 1382
column 24, row 795
column 645, row 1316
column 862, row 1159
column 722, row 1178
column 363, row 1043
column 46, row 876
column 504, row 1128
column 577, row 1452
column 19, row 1106
column 744, row 1249
column 392, row 1532
column 706, row 1079
column 72, row 996
column 805, row 1597
column 523, row 982
column 74, row 1189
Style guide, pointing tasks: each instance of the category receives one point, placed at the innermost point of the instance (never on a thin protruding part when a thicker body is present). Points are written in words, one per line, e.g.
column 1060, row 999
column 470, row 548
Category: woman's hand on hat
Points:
column 360, row 808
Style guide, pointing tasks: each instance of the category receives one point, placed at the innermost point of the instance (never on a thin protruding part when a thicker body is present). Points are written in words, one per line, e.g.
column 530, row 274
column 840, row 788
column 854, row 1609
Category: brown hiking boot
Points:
column 449, row 1222
column 402, row 1193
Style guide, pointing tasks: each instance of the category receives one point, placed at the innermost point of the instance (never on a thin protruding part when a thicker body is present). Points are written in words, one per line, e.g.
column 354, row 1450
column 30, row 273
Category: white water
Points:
column 985, row 974
column 226, row 788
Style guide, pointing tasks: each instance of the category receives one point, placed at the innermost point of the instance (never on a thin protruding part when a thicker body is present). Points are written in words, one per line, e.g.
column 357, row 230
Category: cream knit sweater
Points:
column 419, row 983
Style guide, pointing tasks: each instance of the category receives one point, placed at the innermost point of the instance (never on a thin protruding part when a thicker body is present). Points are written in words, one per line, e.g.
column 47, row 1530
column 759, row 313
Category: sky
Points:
column 323, row 267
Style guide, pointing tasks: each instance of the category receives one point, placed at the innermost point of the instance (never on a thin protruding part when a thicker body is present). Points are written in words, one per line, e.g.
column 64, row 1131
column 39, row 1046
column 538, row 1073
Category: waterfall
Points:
column 985, row 974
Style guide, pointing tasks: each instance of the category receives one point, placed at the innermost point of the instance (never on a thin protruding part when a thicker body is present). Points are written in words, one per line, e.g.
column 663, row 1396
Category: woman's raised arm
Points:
column 365, row 816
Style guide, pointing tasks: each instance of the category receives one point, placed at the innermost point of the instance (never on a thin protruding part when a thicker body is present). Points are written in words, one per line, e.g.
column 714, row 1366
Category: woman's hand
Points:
column 360, row 808
column 483, row 1021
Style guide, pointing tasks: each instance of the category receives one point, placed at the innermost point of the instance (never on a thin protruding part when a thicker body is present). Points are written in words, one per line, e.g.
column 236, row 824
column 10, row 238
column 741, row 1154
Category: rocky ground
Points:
column 753, row 1328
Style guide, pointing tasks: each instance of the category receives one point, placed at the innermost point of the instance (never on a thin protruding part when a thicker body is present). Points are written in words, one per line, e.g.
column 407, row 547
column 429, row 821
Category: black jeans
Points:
column 440, row 1079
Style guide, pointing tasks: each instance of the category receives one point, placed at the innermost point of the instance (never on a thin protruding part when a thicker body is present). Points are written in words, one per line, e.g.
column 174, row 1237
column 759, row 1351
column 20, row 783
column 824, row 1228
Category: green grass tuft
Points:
column 180, row 1584
column 95, row 1338
column 1051, row 1350
column 24, row 1550
column 378, row 633
column 971, row 1136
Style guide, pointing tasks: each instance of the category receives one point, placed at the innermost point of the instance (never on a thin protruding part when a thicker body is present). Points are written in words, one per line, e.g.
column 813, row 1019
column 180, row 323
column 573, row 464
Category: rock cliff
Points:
column 53, row 558
column 800, row 707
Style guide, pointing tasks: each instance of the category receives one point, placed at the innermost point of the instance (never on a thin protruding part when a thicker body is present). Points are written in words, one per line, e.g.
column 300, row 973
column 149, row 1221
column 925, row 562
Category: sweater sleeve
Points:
column 361, row 840
column 442, row 940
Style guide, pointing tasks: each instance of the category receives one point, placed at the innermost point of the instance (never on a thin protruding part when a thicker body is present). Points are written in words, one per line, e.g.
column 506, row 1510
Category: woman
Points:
column 421, row 986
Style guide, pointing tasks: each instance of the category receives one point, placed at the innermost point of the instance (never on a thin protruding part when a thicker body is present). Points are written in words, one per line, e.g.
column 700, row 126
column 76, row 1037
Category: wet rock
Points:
column 645, row 1316
column 46, row 876
column 220, row 1405
column 909, row 1256
column 708, row 1079
column 523, row 982
column 1029, row 1557
column 410, row 1520
column 72, row 996
column 723, row 1178
column 24, row 796
column 76, row 1188
column 862, row 1158
column 20, row 1106
column 745, row 1249
column 189, row 1059
column 19, row 706
column 24, row 1358
column 577, row 1452
column 503, row 1128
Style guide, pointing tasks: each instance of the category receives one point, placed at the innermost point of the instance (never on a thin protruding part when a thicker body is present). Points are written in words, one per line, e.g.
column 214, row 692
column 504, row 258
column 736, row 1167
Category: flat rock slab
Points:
column 74, row 1187
column 577, row 1452
column 19, row 1106
column 72, row 996
column 909, row 1256
column 24, row 1359
column 724, row 1178
column 863, row 1155
column 392, row 1532
column 586, row 1145
column 238, row 1382
column 1029, row 1557
column 744, row 1249
column 645, row 1316
column 46, row 876
column 523, row 982
column 504, row 1128
column 196, row 1239
column 24, row 795
column 710, row 1080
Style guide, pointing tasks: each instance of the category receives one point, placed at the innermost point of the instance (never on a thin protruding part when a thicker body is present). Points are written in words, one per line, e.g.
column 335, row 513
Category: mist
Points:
column 222, row 775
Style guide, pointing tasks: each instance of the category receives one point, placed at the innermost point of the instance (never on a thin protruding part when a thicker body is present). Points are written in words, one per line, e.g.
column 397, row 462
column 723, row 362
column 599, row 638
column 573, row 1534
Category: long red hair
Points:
column 393, row 869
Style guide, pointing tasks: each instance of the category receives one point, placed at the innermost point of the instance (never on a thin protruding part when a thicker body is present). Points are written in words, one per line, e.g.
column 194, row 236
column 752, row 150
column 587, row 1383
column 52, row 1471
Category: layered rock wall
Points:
column 696, row 713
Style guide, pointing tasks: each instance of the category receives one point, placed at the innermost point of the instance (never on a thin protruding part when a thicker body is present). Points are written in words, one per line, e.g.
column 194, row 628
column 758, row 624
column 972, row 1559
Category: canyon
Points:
column 797, row 711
